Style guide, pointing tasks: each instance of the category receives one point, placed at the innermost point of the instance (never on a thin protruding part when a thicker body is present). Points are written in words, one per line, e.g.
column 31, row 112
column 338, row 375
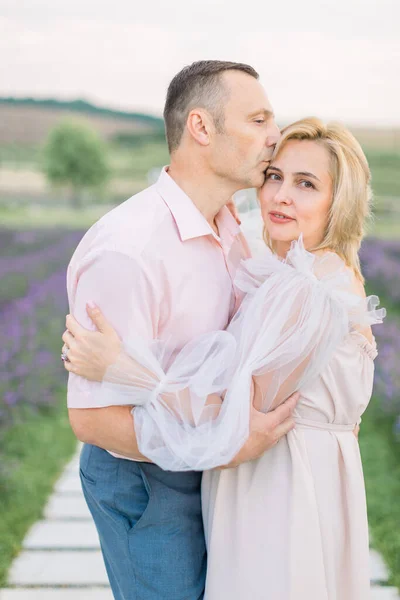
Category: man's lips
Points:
column 278, row 217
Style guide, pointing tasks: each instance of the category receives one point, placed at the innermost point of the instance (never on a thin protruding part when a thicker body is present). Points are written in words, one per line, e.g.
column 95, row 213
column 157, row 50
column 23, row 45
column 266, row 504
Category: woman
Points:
column 291, row 525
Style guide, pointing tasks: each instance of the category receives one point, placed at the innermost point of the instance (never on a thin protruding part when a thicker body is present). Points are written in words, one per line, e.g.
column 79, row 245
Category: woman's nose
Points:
column 282, row 195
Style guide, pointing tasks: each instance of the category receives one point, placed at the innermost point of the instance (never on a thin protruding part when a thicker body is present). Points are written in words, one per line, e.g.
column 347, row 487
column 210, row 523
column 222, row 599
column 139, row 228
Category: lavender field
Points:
column 32, row 307
column 381, row 266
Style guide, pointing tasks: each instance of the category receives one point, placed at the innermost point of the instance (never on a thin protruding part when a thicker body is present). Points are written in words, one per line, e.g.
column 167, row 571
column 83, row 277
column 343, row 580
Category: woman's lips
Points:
column 280, row 219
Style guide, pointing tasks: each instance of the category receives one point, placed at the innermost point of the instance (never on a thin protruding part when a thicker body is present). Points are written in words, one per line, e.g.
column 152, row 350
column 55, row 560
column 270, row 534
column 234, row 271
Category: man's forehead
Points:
column 247, row 93
column 240, row 79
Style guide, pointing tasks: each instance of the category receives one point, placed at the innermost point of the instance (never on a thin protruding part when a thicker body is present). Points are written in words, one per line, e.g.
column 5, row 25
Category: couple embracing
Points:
column 218, row 395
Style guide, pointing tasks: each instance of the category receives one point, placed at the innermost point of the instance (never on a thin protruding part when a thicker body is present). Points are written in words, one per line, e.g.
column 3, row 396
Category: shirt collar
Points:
column 189, row 220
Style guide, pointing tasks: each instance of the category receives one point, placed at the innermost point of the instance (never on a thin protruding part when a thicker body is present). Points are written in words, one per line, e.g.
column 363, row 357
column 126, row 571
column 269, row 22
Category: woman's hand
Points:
column 234, row 211
column 90, row 353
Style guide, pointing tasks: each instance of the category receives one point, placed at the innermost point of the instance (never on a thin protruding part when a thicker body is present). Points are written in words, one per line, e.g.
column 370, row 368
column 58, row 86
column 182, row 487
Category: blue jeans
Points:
column 150, row 526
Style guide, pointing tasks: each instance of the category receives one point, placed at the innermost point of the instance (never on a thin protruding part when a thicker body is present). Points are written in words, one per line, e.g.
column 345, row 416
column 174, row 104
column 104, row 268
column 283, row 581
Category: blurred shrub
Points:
column 75, row 157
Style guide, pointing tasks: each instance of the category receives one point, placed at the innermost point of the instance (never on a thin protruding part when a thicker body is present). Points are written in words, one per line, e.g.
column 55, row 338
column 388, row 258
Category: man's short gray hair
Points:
column 198, row 85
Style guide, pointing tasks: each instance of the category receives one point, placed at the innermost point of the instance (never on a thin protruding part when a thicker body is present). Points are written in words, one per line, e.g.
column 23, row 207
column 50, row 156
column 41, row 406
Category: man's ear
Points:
column 200, row 126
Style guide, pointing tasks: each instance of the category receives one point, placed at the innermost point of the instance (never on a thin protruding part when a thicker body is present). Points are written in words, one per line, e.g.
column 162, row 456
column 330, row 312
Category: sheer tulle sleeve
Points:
column 192, row 412
column 179, row 413
column 306, row 307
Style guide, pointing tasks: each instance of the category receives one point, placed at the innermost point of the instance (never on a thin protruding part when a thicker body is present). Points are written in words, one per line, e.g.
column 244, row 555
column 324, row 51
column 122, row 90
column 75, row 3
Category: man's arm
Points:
column 122, row 288
column 111, row 428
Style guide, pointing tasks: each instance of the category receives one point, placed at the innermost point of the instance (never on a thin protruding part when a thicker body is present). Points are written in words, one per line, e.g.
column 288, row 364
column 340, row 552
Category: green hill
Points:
column 82, row 106
column 27, row 121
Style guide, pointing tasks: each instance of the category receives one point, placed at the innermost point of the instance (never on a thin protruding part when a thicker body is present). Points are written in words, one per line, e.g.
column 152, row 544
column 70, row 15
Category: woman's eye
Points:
column 273, row 176
column 307, row 184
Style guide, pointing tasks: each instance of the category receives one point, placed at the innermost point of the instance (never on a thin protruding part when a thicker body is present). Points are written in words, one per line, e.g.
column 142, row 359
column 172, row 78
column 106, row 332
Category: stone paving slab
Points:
column 106, row 594
column 57, row 594
column 75, row 593
column 73, row 465
column 381, row 593
column 62, row 506
column 42, row 568
column 69, row 483
column 53, row 535
column 378, row 570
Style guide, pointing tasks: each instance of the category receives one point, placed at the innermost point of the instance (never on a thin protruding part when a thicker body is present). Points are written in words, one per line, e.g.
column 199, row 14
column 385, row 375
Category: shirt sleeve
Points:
column 123, row 287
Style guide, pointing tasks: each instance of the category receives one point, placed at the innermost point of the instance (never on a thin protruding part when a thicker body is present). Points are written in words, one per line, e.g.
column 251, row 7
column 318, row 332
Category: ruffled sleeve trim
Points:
column 327, row 271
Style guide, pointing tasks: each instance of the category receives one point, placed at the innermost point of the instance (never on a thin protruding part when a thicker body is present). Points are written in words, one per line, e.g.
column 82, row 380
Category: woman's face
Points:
column 297, row 194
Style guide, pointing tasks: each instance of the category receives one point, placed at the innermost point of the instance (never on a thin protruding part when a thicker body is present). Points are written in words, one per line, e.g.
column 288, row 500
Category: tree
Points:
column 75, row 158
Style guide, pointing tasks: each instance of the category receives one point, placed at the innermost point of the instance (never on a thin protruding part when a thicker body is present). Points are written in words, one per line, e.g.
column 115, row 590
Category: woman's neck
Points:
column 282, row 248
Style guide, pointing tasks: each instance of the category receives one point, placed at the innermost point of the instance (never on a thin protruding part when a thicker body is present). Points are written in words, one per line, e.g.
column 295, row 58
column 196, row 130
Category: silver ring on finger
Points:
column 64, row 355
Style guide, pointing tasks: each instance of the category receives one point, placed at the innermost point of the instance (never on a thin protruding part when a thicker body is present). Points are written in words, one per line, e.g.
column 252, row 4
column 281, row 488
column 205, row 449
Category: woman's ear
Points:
column 200, row 126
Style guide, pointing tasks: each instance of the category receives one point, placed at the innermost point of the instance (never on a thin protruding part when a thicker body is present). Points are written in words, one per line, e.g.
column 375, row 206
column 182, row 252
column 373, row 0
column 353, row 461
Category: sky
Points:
column 336, row 59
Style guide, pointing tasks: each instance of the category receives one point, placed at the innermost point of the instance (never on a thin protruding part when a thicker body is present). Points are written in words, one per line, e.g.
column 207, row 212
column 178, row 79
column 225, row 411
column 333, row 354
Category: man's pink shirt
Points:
column 157, row 270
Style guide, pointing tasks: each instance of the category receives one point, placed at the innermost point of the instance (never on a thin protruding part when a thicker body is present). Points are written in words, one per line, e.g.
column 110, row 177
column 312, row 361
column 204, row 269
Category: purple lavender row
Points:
column 30, row 332
column 30, row 345
column 381, row 266
column 13, row 242
column 27, row 264
column 387, row 374
column 16, row 316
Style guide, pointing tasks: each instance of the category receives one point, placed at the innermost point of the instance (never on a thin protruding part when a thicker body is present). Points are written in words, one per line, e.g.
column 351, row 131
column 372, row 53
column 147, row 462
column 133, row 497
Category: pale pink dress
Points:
column 293, row 524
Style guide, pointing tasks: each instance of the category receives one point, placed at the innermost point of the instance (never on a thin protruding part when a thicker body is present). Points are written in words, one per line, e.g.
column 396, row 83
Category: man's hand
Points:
column 266, row 430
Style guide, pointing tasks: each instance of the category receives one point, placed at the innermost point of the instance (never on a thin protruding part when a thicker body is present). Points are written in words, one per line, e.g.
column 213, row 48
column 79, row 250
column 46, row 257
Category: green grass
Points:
column 381, row 461
column 130, row 165
column 136, row 161
column 33, row 454
column 385, row 225
column 20, row 155
column 33, row 217
column 126, row 161
column 385, row 167
column 63, row 217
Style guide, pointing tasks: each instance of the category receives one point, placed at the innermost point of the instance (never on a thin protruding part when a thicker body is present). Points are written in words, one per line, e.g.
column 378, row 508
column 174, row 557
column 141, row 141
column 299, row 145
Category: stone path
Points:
column 61, row 559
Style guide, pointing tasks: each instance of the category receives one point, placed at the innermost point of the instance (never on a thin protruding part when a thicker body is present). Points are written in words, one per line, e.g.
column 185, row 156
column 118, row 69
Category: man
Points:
column 161, row 266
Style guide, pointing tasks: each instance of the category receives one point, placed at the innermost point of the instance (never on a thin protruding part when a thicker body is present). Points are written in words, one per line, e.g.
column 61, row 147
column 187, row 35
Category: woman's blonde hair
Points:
column 351, row 198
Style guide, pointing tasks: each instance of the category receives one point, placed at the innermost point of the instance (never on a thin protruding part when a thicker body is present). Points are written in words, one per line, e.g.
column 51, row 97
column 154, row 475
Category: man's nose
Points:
column 273, row 135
